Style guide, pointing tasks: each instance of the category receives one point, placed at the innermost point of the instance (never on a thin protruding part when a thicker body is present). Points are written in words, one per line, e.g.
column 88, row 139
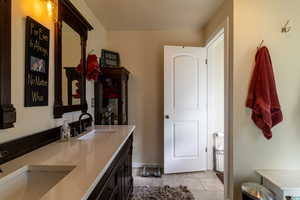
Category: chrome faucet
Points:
column 82, row 128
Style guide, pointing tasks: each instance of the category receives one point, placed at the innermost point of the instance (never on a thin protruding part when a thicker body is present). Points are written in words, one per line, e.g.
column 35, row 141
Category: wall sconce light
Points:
column 51, row 6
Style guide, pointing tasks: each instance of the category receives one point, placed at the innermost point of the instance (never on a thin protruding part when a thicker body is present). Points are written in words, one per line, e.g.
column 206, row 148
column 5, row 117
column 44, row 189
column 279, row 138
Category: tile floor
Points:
column 203, row 185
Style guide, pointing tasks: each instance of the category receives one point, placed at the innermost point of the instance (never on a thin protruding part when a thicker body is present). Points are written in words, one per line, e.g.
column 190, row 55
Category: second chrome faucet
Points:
column 82, row 126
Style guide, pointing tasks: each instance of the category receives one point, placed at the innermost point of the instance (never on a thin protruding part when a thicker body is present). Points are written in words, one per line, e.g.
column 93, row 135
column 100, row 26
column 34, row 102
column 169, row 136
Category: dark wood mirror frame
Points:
column 7, row 110
column 70, row 15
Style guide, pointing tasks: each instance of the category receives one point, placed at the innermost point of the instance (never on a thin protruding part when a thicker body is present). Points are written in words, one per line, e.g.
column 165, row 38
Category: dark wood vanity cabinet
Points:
column 117, row 182
column 111, row 96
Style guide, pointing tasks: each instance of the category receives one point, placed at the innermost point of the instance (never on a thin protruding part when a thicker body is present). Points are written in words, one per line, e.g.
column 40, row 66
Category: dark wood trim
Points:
column 83, row 77
column 72, row 75
column 116, row 72
column 58, row 71
column 24, row 145
column 21, row 146
column 82, row 22
column 7, row 110
column 69, row 14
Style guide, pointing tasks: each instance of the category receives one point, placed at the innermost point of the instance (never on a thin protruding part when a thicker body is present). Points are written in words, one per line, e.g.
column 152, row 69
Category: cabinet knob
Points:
column 3, row 153
column 167, row 117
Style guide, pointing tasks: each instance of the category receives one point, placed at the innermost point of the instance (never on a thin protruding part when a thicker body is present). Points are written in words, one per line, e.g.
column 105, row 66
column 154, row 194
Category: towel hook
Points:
column 91, row 51
column 260, row 45
column 286, row 28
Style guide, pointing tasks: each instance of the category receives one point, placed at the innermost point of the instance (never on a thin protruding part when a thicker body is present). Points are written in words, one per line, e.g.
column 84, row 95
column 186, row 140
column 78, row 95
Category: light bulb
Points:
column 50, row 8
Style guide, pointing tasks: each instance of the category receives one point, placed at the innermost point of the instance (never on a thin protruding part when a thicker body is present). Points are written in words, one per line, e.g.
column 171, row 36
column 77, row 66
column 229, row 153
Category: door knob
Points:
column 167, row 117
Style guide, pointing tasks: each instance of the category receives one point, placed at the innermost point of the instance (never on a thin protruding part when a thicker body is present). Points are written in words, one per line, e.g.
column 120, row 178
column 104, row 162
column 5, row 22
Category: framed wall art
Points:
column 109, row 59
column 36, row 64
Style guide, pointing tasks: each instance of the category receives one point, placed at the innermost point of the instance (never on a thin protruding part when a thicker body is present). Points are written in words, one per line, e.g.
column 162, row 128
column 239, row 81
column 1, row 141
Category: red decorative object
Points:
column 77, row 94
column 93, row 68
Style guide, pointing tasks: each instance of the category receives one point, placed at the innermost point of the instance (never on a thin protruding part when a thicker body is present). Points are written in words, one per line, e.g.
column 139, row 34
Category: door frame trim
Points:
column 225, row 28
column 210, row 43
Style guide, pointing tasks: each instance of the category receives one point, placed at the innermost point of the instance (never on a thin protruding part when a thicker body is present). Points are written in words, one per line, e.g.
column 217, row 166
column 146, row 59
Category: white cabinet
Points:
column 283, row 183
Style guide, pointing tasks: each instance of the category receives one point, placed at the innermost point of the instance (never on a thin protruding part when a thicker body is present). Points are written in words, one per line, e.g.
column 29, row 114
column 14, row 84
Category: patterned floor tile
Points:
column 203, row 185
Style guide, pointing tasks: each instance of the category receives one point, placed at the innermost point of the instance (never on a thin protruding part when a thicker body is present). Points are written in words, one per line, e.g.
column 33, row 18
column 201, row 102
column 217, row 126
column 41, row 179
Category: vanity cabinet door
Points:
column 110, row 189
column 122, row 194
column 117, row 182
column 125, row 180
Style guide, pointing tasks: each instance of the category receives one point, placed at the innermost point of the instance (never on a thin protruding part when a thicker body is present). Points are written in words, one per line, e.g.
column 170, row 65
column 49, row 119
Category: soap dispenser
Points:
column 65, row 132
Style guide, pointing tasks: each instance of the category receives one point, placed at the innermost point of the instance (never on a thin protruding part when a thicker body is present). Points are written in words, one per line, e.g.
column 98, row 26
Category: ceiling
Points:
column 153, row 14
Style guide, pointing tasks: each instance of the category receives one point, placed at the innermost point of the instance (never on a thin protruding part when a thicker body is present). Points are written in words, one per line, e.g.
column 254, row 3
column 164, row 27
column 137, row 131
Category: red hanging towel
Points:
column 262, row 96
column 93, row 68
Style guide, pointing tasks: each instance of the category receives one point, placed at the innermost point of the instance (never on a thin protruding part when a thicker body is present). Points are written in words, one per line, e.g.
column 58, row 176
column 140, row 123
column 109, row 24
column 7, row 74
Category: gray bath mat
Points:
column 161, row 193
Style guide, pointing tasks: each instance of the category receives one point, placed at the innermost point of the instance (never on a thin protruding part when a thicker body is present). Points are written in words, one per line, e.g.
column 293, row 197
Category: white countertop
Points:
column 284, row 179
column 91, row 157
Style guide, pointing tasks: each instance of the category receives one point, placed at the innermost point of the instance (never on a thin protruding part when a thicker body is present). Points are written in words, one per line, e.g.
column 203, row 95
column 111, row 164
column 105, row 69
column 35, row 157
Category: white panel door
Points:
column 185, row 109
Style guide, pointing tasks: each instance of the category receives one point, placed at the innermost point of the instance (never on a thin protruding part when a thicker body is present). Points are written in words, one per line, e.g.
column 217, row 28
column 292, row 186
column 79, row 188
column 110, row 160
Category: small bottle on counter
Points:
column 65, row 132
column 116, row 122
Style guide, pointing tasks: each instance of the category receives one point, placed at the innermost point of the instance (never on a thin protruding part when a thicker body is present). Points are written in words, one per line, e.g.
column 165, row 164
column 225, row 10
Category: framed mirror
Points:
column 71, row 34
column 7, row 110
column 71, row 55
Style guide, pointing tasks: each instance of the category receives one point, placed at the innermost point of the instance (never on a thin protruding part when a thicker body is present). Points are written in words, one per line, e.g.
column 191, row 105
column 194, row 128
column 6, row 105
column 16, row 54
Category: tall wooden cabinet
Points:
column 111, row 96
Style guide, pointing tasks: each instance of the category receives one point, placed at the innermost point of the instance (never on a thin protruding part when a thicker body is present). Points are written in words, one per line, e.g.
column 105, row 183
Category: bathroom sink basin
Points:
column 31, row 182
column 93, row 133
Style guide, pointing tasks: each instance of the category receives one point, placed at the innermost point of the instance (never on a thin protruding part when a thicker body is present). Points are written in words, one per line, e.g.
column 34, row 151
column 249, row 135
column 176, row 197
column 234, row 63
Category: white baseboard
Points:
column 138, row 165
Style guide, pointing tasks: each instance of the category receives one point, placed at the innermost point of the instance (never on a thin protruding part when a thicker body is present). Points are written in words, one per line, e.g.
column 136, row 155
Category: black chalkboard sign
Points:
column 36, row 64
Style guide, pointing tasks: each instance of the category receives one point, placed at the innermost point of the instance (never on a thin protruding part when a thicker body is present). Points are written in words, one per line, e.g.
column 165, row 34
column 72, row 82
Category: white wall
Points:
column 142, row 54
column 32, row 120
column 256, row 20
column 215, row 23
